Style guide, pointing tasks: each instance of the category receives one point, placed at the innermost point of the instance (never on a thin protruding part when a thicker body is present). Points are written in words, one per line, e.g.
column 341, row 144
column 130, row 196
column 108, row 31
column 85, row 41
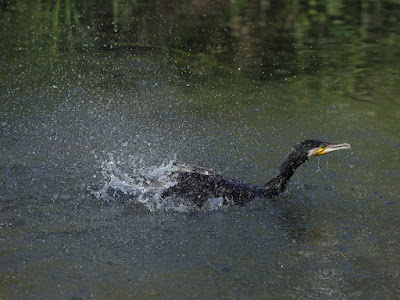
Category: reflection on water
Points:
column 227, row 85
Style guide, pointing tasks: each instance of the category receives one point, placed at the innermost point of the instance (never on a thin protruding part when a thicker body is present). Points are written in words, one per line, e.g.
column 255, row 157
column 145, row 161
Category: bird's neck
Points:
column 285, row 171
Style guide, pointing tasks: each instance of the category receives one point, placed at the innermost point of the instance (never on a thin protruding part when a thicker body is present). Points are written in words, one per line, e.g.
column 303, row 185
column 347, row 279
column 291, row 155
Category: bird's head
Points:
column 299, row 154
column 312, row 148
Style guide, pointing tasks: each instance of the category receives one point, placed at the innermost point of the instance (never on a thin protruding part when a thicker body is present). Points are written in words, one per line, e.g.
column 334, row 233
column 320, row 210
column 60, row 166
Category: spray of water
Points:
column 131, row 181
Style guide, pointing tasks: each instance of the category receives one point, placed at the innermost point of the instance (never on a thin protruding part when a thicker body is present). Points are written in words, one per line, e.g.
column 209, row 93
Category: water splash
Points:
column 318, row 165
column 128, row 180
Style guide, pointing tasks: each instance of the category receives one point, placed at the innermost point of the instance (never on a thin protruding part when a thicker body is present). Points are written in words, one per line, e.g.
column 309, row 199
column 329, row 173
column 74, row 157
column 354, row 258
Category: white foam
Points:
column 145, row 184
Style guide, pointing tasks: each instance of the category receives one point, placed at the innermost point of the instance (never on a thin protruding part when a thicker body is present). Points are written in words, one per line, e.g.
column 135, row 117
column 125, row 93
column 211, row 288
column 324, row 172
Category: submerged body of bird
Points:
column 197, row 185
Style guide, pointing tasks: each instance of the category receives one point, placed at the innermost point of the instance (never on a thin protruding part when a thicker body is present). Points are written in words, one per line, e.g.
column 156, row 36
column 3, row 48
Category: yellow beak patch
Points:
column 320, row 151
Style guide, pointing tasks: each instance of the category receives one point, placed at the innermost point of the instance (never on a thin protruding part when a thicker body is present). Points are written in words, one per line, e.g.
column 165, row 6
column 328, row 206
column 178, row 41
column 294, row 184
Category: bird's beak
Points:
column 331, row 148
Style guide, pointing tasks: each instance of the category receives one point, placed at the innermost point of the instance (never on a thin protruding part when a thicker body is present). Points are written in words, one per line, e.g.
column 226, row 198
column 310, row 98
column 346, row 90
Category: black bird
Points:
column 197, row 185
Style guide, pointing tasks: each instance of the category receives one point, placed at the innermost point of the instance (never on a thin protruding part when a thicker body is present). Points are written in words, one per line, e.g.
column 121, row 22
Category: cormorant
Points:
column 197, row 185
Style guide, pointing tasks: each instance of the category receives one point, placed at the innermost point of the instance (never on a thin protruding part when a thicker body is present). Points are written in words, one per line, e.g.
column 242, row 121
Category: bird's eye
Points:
column 322, row 146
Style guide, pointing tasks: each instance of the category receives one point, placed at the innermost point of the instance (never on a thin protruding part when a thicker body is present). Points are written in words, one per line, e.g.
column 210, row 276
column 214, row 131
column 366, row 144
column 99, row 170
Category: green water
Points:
column 229, row 86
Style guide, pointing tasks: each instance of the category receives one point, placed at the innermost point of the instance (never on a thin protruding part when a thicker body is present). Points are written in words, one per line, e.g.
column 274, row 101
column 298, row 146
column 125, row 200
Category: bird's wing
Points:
column 182, row 168
column 193, row 169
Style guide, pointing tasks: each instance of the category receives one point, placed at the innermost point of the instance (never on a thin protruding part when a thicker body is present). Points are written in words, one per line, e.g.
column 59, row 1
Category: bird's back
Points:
column 197, row 185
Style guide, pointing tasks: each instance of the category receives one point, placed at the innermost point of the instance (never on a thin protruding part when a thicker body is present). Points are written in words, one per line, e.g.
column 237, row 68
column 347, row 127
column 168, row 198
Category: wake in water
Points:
column 130, row 182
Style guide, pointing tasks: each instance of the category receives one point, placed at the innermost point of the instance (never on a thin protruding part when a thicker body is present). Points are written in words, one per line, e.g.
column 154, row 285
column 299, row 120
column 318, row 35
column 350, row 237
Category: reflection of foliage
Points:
column 269, row 40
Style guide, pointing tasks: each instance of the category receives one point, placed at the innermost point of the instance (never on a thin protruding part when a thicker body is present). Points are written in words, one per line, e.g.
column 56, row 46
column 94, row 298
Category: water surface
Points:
column 230, row 87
